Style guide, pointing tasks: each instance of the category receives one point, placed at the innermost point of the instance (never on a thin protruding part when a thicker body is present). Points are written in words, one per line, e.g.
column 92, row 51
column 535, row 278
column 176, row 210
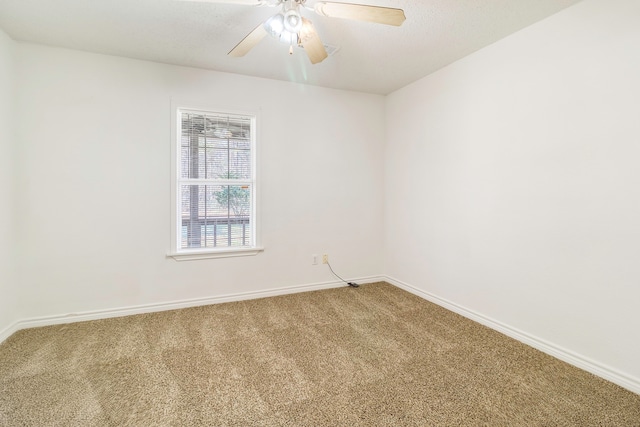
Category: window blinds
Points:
column 216, row 180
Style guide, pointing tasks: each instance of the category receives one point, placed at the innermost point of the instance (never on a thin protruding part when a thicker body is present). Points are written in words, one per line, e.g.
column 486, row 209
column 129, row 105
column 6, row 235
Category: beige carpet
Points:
column 373, row 356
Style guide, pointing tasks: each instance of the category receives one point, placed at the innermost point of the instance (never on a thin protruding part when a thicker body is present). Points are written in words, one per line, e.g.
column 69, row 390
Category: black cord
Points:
column 352, row 284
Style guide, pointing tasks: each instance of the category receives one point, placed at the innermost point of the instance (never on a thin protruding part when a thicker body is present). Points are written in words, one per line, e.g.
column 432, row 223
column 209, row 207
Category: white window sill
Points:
column 218, row 253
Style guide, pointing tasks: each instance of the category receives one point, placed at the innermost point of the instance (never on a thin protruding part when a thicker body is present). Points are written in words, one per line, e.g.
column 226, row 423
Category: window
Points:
column 214, row 188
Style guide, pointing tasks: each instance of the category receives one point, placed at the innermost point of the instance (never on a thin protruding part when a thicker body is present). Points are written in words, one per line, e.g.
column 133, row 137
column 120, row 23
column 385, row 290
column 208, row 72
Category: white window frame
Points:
column 178, row 253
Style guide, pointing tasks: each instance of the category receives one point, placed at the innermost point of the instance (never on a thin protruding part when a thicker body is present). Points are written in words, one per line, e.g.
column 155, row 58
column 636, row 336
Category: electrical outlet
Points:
column 314, row 259
column 325, row 259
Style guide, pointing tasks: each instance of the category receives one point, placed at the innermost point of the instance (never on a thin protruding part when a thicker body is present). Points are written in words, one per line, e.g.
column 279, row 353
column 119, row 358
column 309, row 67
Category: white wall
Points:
column 95, row 134
column 8, row 295
column 512, row 183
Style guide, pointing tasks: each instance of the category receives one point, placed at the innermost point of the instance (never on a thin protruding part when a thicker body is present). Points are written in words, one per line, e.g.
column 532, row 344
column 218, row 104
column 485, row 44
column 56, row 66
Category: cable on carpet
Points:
column 352, row 284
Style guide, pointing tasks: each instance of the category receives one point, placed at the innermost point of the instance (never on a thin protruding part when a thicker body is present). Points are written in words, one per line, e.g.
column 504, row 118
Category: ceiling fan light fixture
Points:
column 292, row 21
column 275, row 25
column 288, row 37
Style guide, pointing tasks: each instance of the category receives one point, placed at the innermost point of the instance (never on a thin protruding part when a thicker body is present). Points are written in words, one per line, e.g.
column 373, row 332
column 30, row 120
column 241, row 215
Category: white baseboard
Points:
column 596, row 368
column 8, row 331
column 173, row 305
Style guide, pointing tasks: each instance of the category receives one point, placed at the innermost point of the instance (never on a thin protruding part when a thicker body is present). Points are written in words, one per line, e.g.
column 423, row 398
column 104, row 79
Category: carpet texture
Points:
column 372, row 356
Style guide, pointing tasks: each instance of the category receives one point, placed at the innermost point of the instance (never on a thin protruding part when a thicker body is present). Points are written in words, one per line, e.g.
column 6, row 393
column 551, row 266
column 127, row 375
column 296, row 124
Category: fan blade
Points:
column 310, row 41
column 242, row 2
column 361, row 12
column 247, row 43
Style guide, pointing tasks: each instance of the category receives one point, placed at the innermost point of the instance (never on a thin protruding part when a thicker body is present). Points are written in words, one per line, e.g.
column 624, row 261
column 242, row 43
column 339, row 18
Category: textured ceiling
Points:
column 371, row 58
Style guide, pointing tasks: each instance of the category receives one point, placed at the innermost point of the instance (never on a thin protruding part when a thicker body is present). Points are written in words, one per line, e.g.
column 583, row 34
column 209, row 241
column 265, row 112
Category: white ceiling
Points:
column 371, row 58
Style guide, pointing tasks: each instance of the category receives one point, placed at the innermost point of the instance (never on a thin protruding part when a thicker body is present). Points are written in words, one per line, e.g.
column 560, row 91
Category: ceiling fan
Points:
column 290, row 27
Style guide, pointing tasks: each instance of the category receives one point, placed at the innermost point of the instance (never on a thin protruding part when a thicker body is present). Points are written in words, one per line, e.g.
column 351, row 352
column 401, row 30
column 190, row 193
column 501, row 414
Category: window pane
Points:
column 215, row 216
column 239, row 164
column 215, row 147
